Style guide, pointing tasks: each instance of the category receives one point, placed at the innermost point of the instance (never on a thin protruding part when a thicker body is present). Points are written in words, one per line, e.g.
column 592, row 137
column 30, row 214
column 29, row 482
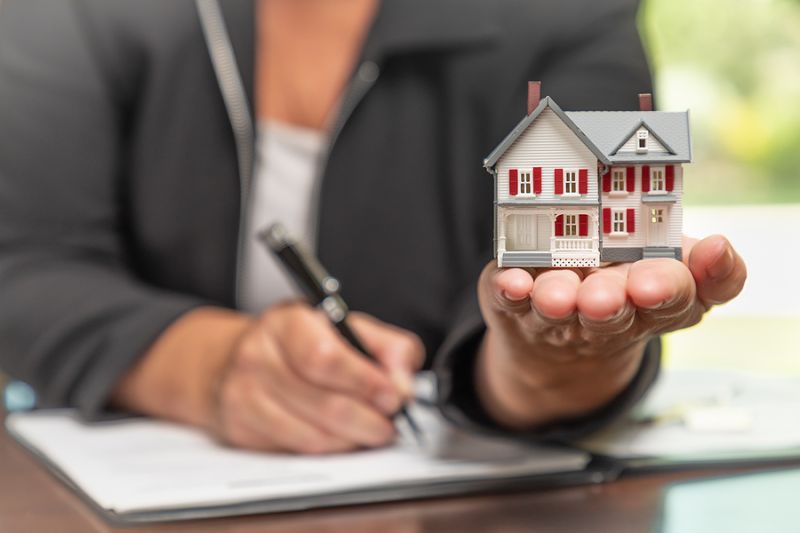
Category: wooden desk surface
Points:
column 32, row 500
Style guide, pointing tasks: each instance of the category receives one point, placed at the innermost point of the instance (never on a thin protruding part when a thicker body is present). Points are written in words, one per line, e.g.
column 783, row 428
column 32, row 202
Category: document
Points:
column 141, row 470
column 145, row 465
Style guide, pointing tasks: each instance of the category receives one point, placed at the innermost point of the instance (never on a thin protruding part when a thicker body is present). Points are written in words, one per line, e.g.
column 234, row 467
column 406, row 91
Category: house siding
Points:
column 547, row 143
column 633, row 200
column 550, row 144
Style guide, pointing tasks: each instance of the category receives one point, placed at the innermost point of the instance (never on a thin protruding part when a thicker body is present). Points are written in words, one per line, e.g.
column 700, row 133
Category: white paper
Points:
column 708, row 413
column 146, row 465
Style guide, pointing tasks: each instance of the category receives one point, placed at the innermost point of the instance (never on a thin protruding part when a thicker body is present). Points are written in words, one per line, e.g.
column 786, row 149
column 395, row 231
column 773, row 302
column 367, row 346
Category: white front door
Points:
column 658, row 217
column 523, row 234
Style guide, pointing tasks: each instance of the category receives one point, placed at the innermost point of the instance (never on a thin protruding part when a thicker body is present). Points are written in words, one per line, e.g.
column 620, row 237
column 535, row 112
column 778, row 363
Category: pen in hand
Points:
column 321, row 290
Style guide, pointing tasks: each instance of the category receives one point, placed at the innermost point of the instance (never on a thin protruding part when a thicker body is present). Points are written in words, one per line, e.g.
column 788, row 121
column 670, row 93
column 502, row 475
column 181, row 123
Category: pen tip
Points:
column 415, row 430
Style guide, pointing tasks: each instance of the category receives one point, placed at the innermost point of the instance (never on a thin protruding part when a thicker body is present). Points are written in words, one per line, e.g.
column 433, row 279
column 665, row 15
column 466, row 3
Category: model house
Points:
column 577, row 188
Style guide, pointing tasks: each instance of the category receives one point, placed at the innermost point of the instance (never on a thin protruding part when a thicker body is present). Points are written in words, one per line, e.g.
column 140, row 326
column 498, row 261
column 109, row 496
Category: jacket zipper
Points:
column 235, row 98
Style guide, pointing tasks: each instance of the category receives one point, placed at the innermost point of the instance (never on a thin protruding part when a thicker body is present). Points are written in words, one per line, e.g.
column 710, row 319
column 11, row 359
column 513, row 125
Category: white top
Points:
column 286, row 169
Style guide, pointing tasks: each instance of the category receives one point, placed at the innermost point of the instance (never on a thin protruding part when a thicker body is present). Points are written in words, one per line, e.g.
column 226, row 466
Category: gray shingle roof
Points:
column 604, row 132
column 608, row 130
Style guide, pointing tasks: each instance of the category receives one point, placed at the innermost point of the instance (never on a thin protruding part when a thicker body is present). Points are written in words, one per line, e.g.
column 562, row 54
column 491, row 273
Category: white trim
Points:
column 576, row 225
column 622, row 221
column 529, row 174
column 663, row 171
column 576, row 172
column 622, row 172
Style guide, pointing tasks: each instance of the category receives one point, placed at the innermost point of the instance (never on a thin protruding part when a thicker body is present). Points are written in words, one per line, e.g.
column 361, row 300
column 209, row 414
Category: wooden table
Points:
column 31, row 500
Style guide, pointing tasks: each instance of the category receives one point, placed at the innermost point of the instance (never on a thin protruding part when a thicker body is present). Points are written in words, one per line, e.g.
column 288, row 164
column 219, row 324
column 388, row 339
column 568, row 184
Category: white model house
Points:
column 574, row 189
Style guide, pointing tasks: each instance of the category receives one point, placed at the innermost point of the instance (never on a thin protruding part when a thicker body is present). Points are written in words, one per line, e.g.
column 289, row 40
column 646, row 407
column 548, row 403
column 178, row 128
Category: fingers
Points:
column 555, row 293
column 344, row 417
column 664, row 292
column 719, row 271
column 505, row 290
column 262, row 424
column 399, row 351
column 603, row 304
column 603, row 294
column 270, row 399
column 315, row 351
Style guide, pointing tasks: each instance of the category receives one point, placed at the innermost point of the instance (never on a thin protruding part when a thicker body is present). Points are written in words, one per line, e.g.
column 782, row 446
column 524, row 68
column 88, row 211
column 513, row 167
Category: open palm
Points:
column 597, row 319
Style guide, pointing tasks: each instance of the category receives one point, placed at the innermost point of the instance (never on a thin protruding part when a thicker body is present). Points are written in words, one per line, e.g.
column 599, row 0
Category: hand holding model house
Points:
column 577, row 190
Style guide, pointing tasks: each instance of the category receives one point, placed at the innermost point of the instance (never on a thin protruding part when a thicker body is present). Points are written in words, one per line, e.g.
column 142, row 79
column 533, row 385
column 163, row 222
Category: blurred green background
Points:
column 736, row 65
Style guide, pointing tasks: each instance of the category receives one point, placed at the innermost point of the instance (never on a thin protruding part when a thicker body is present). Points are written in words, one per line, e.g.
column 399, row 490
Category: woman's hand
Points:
column 563, row 343
column 293, row 383
column 284, row 381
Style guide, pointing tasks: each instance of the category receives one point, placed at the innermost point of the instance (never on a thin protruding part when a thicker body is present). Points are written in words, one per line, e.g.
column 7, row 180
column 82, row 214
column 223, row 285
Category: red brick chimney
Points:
column 645, row 102
column 534, row 95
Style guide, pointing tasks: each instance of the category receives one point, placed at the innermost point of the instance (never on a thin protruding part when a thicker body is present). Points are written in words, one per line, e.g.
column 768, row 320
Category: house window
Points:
column 618, row 221
column 618, row 180
column 641, row 140
column 656, row 216
column 657, row 183
column 570, row 182
column 570, row 225
column 525, row 184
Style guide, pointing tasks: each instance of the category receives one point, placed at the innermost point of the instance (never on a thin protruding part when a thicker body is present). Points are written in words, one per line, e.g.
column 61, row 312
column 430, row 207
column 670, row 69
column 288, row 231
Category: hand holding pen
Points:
column 322, row 291
column 285, row 380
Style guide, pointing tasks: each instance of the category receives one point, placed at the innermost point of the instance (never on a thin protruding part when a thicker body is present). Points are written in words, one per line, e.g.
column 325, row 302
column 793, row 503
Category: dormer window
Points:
column 641, row 140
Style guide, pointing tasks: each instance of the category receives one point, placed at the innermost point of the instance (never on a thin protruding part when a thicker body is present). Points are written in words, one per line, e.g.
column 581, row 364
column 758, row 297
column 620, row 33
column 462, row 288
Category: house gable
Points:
column 522, row 126
column 653, row 144
column 548, row 143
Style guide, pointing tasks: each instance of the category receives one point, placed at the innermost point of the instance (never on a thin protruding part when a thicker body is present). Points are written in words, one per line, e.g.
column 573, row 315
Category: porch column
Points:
column 501, row 231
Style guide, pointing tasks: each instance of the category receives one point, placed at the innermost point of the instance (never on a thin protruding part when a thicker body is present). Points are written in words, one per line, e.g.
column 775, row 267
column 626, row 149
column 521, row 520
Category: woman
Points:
column 135, row 164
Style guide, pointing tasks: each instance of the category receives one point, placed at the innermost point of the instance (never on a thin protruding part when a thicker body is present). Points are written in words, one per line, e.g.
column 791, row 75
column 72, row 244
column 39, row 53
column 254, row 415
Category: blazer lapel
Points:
column 240, row 20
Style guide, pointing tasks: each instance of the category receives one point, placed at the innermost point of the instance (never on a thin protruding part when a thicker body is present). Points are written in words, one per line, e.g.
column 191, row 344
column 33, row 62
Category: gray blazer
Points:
column 121, row 191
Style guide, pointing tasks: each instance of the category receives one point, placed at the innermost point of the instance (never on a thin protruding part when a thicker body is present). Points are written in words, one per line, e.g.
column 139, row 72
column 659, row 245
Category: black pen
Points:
column 321, row 289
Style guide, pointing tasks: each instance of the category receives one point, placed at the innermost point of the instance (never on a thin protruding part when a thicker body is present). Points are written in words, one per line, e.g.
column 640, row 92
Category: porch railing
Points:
column 573, row 244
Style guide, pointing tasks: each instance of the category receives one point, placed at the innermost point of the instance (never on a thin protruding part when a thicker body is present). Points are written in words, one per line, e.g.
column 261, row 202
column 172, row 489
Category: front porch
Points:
column 547, row 237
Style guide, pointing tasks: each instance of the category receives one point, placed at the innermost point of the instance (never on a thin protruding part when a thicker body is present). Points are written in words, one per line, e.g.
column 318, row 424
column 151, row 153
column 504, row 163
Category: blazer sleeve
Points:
column 596, row 62
column 73, row 315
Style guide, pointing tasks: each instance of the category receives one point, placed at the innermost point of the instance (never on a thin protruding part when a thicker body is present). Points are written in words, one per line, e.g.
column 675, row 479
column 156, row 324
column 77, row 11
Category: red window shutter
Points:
column 631, row 220
column 558, row 180
column 670, row 179
column 583, row 225
column 537, row 180
column 512, row 182
column 607, row 181
column 559, row 225
column 645, row 179
column 630, row 179
column 606, row 220
column 583, row 181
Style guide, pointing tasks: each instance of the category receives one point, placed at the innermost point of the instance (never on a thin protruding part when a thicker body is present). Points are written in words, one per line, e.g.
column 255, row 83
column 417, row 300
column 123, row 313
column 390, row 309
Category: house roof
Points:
column 604, row 133
column 609, row 130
